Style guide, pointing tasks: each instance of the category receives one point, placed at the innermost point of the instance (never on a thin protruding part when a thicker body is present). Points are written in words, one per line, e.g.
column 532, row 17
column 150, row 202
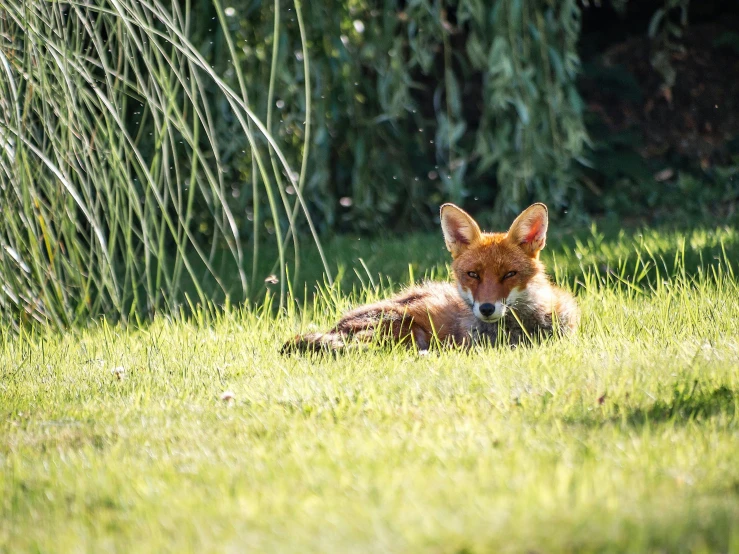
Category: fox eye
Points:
column 473, row 275
column 509, row 274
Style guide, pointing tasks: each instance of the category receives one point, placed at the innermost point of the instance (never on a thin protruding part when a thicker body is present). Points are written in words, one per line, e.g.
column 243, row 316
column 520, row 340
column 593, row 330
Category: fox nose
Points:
column 487, row 309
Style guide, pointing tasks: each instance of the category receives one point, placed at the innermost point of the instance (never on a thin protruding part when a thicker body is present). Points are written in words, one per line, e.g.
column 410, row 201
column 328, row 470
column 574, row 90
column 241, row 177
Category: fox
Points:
column 501, row 292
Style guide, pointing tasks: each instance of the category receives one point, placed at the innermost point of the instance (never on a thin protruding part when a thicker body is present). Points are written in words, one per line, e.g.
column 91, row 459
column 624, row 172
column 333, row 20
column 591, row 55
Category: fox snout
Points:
column 484, row 310
column 489, row 311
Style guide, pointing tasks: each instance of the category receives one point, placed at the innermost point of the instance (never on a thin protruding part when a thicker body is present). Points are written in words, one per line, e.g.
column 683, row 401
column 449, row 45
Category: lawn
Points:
column 623, row 438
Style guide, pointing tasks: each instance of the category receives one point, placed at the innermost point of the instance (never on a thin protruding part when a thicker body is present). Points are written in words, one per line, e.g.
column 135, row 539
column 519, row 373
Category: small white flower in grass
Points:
column 227, row 396
column 118, row 372
column 230, row 12
column 358, row 26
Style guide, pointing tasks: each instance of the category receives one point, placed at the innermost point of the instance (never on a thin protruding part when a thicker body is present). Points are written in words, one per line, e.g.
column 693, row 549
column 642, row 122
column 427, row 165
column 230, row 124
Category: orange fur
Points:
column 501, row 291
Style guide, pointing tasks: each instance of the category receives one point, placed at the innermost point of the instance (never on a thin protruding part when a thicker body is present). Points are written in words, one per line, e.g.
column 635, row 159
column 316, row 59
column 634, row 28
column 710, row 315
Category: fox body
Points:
column 501, row 291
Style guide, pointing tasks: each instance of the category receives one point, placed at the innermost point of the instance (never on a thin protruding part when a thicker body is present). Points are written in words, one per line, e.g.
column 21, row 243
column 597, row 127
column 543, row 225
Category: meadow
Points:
column 195, row 435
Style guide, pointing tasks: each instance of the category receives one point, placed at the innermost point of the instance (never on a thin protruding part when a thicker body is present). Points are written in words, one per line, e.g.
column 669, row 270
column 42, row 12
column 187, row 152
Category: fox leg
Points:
column 388, row 323
column 363, row 325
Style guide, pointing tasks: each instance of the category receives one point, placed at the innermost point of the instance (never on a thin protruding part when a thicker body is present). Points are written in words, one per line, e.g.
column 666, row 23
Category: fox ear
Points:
column 460, row 230
column 529, row 230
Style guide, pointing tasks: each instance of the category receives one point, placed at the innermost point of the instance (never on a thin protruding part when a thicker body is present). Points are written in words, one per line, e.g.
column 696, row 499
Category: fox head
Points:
column 493, row 269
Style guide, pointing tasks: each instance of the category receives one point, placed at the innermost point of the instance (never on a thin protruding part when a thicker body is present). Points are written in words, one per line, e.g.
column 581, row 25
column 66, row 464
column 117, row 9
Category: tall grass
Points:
column 112, row 151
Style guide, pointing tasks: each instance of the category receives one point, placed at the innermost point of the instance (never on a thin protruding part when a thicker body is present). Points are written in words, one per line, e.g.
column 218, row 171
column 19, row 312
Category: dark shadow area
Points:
column 685, row 405
column 661, row 110
column 688, row 402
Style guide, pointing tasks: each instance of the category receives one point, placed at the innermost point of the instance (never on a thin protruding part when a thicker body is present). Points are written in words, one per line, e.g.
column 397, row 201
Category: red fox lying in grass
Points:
column 502, row 292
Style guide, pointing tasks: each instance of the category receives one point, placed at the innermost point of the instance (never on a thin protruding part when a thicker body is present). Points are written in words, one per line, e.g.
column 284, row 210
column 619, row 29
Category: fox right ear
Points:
column 460, row 230
column 529, row 230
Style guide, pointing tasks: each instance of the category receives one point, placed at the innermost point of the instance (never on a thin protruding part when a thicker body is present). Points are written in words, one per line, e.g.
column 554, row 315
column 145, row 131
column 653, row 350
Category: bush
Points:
column 418, row 103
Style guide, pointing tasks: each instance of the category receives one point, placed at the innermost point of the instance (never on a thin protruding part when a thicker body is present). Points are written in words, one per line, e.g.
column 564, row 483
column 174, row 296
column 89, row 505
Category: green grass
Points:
column 622, row 439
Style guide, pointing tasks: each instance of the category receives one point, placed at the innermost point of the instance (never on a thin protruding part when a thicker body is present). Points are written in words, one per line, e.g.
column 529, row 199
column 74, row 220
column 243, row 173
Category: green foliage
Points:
column 419, row 103
column 665, row 30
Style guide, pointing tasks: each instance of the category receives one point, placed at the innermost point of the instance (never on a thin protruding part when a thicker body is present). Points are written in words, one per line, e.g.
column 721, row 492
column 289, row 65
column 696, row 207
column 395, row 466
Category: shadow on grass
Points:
column 697, row 403
column 694, row 403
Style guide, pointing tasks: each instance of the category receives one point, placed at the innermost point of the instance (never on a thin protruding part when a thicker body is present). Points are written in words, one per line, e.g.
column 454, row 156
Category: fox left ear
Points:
column 460, row 230
column 529, row 230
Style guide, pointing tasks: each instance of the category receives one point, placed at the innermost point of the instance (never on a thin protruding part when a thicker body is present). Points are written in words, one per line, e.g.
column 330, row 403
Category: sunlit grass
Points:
column 622, row 439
